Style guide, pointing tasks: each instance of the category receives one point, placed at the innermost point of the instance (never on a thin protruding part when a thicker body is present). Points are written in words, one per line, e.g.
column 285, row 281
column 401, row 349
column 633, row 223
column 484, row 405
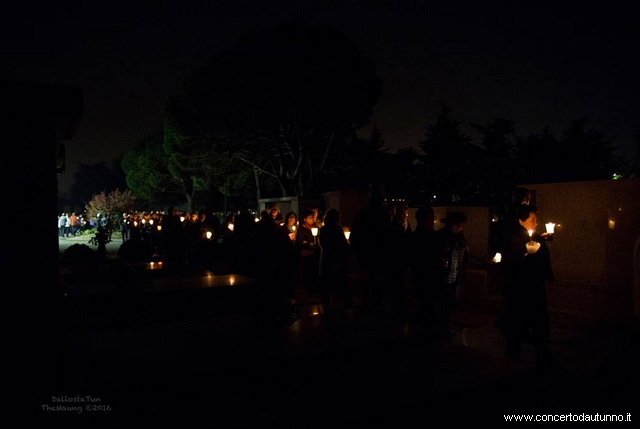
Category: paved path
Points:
column 112, row 247
column 343, row 369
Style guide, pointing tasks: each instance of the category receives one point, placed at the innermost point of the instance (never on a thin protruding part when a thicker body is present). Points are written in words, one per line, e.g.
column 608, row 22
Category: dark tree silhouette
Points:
column 494, row 166
column 287, row 102
column 147, row 173
column 445, row 162
column 581, row 154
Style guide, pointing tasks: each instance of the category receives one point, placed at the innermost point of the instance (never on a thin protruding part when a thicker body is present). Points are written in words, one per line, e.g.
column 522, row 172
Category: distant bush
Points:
column 135, row 251
column 78, row 253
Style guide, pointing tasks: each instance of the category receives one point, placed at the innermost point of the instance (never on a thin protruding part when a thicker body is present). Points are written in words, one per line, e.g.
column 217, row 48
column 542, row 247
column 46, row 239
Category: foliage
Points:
column 101, row 237
column 90, row 178
column 454, row 170
column 581, row 154
column 446, row 158
column 111, row 204
column 361, row 162
column 135, row 251
column 284, row 103
column 78, row 253
column 147, row 172
column 630, row 168
column 495, row 178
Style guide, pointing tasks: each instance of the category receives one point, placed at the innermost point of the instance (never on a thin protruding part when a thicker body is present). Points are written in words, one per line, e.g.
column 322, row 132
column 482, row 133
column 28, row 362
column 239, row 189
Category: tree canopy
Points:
column 285, row 103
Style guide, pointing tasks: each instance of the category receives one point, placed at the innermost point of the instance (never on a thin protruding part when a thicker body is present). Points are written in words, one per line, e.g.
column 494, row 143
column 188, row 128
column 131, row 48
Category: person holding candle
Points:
column 370, row 243
column 453, row 254
column 527, row 270
column 287, row 251
column 307, row 246
column 334, row 261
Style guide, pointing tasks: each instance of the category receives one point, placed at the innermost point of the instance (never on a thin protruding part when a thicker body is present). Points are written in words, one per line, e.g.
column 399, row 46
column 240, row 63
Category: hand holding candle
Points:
column 532, row 246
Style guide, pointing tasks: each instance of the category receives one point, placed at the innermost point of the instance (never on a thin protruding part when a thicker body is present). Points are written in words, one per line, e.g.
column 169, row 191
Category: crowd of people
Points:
column 71, row 224
column 289, row 253
column 393, row 254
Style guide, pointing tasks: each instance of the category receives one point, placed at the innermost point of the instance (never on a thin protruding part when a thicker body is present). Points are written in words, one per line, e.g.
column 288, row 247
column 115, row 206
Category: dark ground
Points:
column 196, row 368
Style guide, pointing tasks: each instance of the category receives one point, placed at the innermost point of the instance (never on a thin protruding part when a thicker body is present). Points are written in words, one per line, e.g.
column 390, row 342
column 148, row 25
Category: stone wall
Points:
column 597, row 228
column 594, row 251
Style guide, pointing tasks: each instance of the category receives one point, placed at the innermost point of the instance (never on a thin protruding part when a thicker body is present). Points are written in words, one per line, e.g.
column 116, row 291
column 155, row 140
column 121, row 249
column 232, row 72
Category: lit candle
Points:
column 497, row 258
column 230, row 226
column 532, row 247
column 550, row 227
column 181, row 218
column 209, row 235
column 159, row 227
column 530, row 233
column 347, row 234
column 314, row 231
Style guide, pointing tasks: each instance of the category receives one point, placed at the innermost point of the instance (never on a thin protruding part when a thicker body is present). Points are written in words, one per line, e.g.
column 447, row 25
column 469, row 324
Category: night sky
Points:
column 537, row 67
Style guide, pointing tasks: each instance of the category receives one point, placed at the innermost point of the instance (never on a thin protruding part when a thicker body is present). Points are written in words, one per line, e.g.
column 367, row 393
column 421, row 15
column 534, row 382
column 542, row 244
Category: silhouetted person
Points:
column 527, row 270
column 173, row 240
column 245, row 226
column 399, row 233
column 370, row 244
column 508, row 221
column 499, row 236
column 268, row 304
column 334, row 261
column 288, row 254
column 309, row 253
column 425, row 268
column 454, row 254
